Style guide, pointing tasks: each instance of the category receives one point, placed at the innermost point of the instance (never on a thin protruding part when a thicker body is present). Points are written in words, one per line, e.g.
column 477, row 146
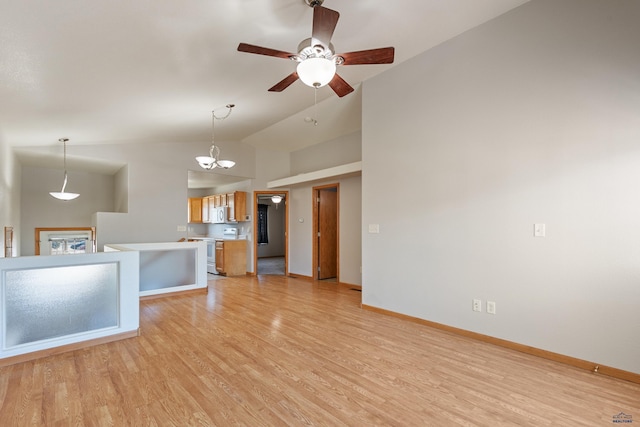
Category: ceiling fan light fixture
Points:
column 316, row 58
column 316, row 72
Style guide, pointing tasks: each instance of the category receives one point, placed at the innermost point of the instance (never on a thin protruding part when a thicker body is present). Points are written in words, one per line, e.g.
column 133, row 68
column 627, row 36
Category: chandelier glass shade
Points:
column 213, row 160
column 316, row 72
column 63, row 195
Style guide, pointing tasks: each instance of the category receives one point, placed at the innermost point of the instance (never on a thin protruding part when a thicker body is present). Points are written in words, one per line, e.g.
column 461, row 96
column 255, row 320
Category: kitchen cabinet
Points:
column 195, row 209
column 237, row 203
column 206, row 218
column 231, row 257
column 202, row 209
column 208, row 209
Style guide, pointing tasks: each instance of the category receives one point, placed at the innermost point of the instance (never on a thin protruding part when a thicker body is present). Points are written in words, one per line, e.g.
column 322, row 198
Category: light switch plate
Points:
column 374, row 228
column 491, row 307
column 539, row 230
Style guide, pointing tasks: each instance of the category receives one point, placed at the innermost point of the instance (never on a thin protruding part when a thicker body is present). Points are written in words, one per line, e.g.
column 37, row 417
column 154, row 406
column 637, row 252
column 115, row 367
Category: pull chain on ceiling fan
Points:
column 316, row 59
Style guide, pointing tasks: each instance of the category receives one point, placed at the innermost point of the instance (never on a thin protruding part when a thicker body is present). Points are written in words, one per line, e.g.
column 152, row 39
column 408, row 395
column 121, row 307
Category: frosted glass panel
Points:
column 167, row 268
column 52, row 302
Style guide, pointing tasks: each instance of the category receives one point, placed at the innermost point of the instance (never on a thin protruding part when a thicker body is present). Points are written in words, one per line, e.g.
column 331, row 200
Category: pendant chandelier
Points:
column 62, row 195
column 213, row 159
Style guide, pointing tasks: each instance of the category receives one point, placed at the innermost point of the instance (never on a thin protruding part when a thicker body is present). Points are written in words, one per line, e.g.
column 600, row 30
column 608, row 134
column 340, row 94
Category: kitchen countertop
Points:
column 241, row 237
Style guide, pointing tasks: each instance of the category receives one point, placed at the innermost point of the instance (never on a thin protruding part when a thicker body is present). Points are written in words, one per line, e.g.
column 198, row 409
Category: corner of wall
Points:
column 10, row 186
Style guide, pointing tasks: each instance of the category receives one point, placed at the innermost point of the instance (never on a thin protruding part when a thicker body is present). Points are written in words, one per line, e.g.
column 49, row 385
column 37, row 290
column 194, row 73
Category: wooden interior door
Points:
column 327, row 233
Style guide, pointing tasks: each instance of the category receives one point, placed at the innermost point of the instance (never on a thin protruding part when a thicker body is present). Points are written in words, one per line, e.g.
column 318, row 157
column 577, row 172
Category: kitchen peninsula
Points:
column 168, row 266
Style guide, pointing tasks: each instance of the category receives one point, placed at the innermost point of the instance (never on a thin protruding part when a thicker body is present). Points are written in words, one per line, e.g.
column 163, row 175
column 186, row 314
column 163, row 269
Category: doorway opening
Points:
column 326, row 234
column 270, row 236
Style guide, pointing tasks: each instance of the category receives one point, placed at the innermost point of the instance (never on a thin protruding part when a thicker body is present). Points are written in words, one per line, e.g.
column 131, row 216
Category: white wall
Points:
column 10, row 188
column 340, row 151
column 533, row 117
column 270, row 165
column 121, row 190
column 351, row 230
column 300, row 230
column 336, row 152
column 39, row 209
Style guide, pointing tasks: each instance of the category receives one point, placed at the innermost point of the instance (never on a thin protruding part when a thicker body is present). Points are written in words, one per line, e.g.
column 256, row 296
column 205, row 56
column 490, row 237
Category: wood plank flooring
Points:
column 277, row 351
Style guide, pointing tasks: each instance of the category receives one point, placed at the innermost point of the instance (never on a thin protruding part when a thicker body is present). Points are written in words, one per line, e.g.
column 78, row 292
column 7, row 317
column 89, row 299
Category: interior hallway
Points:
column 271, row 265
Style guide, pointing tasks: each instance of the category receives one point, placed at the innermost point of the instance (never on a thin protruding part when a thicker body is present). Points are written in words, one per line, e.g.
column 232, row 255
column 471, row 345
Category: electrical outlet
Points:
column 477, row 305
column 491, row 307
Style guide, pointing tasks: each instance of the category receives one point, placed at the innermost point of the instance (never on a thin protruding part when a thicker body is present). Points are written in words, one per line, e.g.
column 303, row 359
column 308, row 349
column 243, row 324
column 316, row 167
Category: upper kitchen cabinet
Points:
column 203, row 209
column 206, row 214
column 195, row 209
column 237, row 206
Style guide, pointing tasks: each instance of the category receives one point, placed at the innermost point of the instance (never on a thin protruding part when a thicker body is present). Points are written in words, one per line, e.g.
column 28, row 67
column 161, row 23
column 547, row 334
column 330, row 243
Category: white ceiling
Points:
column 152, row 70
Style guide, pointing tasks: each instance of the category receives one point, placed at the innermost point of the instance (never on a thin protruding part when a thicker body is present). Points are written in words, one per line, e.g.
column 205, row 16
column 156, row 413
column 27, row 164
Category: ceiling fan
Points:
column 316, row 57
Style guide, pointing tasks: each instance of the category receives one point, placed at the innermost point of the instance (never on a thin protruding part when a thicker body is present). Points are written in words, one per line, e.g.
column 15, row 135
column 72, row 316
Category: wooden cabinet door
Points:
column 205, row 210
column 220, row 257
column 195, row 209
column 240, row 205
column 231, row 210
column 212, row 208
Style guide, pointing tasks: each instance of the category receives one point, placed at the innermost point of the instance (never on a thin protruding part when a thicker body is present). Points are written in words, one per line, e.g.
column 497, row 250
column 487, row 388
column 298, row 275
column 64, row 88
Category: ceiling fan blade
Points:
column 249, row 48
column 339, row 86
column 382, row 55
column 324, row 23
column 284, row 83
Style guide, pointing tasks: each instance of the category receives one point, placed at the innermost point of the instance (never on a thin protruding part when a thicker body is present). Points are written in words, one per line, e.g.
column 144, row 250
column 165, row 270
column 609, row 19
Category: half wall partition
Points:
column 55, row 302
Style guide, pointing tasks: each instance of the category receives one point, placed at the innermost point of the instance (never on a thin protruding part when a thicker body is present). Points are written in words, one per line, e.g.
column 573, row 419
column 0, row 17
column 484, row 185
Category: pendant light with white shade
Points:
column 64, row 195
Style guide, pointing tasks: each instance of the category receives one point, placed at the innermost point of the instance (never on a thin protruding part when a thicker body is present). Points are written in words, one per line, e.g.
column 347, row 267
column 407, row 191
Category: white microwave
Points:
column 219, row 215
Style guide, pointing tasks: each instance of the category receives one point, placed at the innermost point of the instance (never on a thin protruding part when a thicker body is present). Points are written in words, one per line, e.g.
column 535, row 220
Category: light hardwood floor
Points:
column 271, row 351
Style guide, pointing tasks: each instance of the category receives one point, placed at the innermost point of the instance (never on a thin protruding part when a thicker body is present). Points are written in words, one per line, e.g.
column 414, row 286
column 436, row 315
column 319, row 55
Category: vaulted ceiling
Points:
column 152, row 70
